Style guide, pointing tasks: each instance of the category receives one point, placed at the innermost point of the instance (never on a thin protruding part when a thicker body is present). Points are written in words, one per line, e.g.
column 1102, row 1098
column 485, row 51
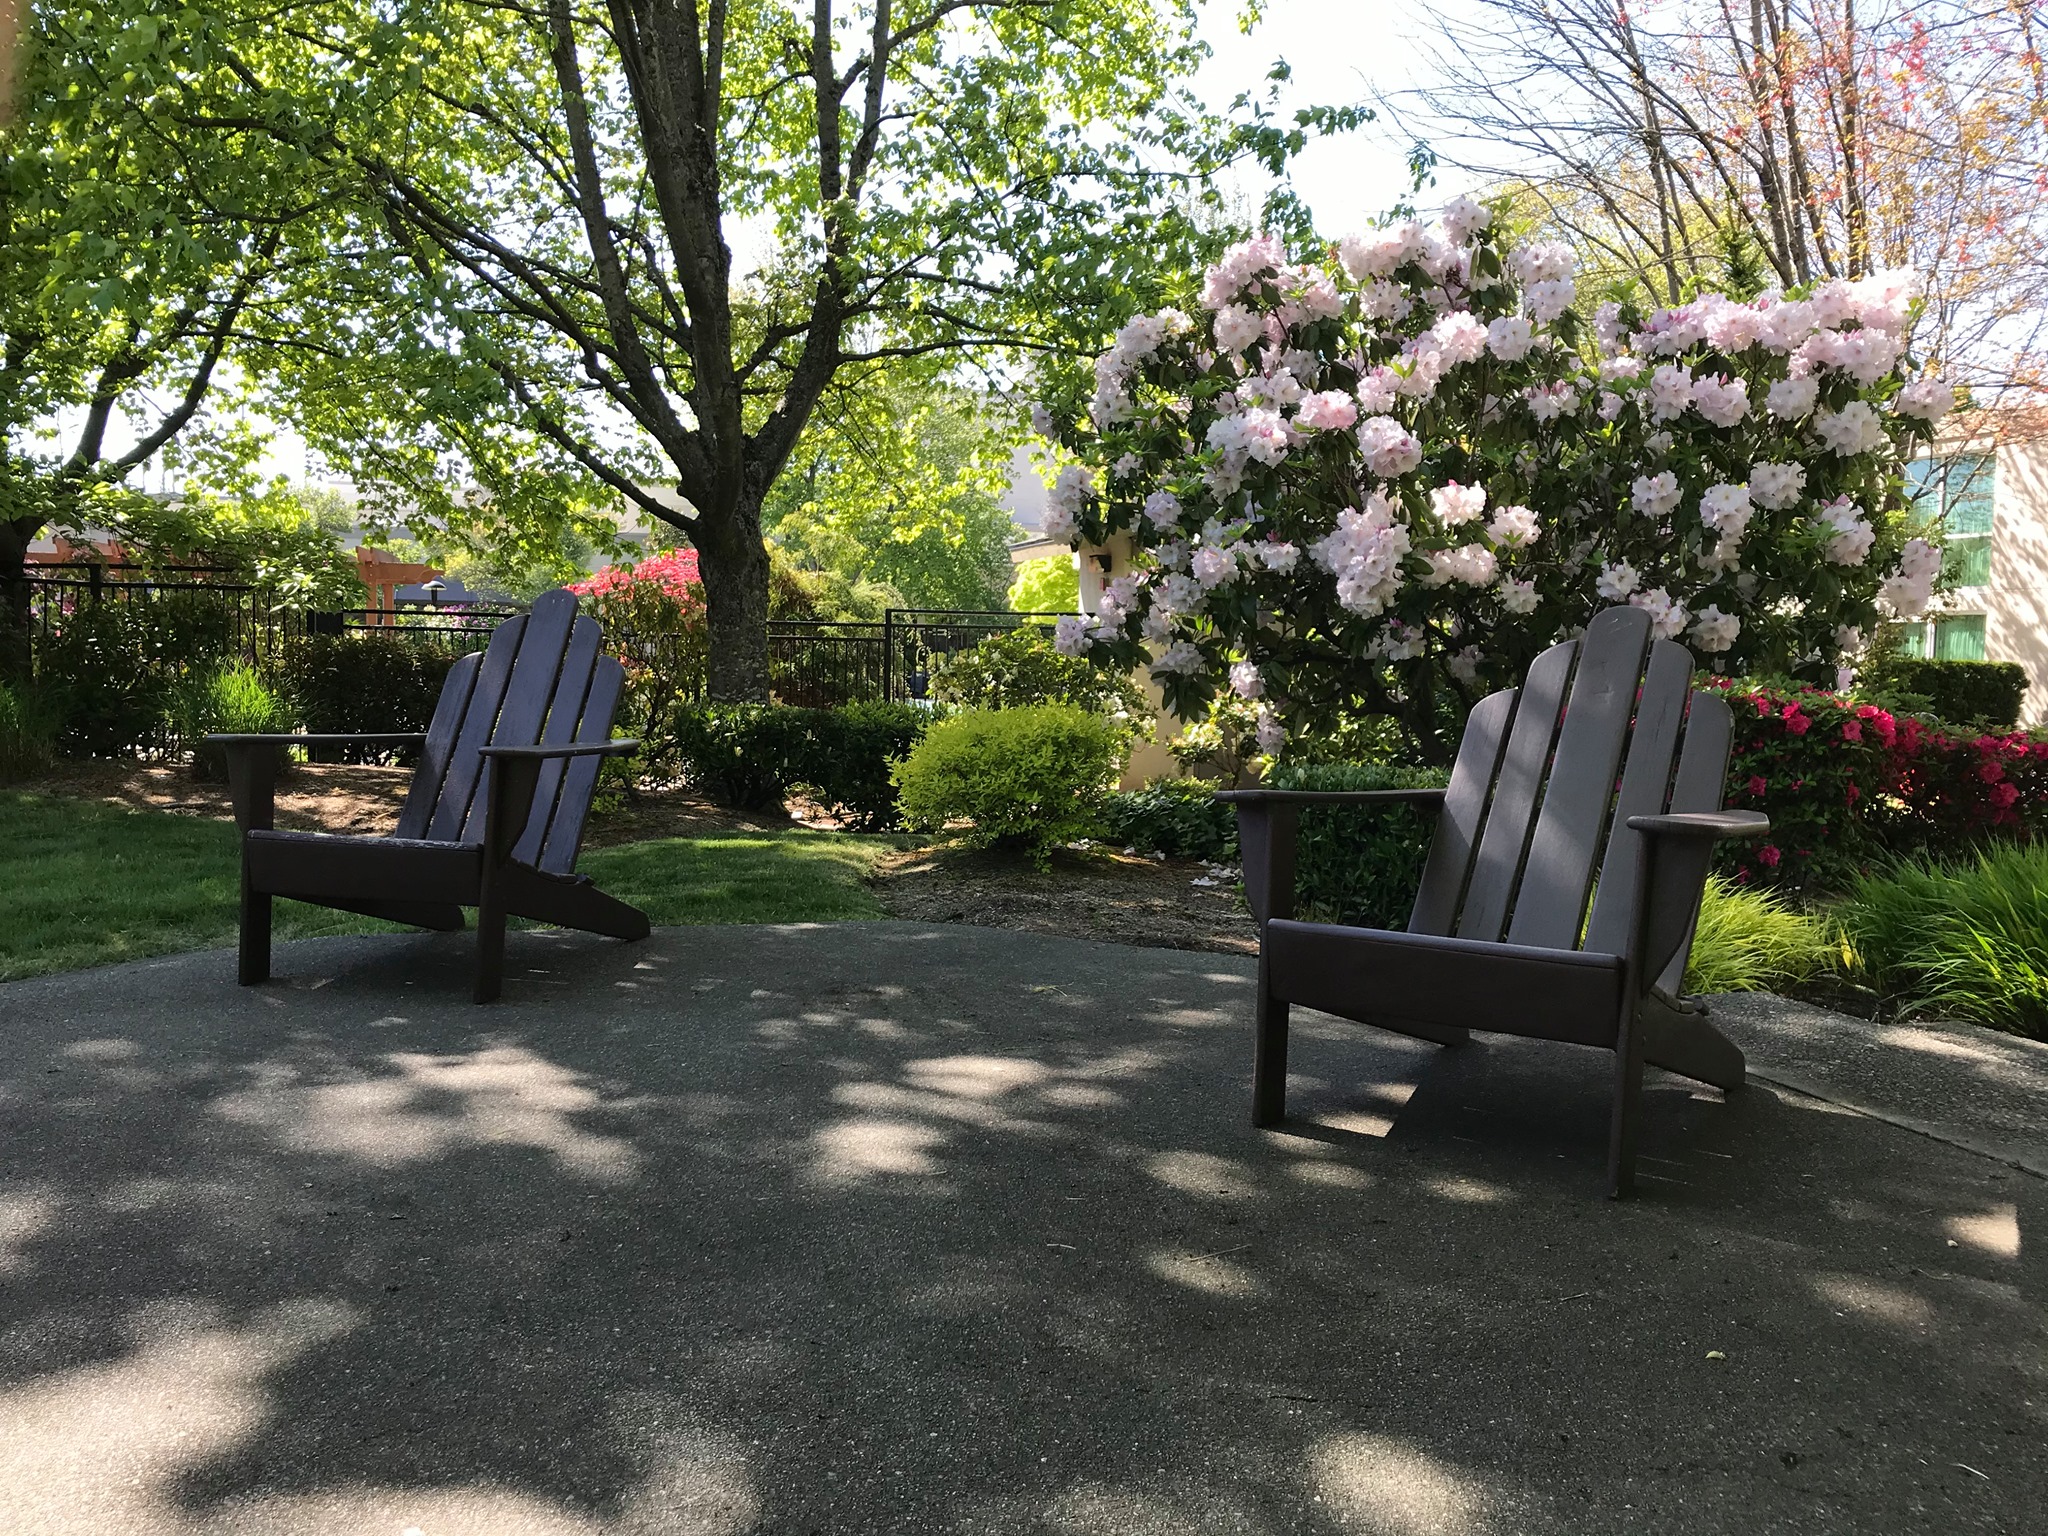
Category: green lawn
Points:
column 88, row 884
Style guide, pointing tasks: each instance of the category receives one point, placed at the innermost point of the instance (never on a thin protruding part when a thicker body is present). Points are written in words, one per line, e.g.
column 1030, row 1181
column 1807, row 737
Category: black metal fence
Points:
column 811, row 662
column 818, row 663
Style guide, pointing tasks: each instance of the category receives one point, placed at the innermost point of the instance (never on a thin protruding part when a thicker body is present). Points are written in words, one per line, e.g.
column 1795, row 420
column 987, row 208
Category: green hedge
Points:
column 750, row 756
column 1984, row 693
column 1180, row 818
column 362, row 683
column 1357, row 864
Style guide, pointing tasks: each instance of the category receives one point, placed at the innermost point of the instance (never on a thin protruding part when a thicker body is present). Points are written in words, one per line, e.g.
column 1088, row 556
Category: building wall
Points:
column 2015, row 604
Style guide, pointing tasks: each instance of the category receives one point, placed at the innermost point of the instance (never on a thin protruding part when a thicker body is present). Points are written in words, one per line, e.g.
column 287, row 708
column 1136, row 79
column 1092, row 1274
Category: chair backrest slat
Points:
column 579, row 782
column 439, row 751
column 473, row 731
column 1700, row 785
column 542, row 681
column 1508, row 820
column 1464, row 812
column 1551, row 900
column 1645, row 789
column 529, row 690
column 565, row 713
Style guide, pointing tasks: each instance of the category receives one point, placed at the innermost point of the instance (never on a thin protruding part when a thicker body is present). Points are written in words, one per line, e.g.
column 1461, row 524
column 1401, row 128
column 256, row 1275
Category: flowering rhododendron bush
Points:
column 1844, row 781
column 1382, row 479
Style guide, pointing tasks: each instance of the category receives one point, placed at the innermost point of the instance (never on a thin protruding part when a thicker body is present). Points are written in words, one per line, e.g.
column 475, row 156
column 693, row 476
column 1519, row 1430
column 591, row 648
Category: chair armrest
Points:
column 1268, row 821
column 322, row 739
column 1671, row 875
column 1713, row 825
column 623, row 747
column 1243, row 797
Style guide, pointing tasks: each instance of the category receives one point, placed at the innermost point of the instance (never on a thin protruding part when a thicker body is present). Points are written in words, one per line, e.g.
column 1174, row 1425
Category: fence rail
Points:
column 810, row 662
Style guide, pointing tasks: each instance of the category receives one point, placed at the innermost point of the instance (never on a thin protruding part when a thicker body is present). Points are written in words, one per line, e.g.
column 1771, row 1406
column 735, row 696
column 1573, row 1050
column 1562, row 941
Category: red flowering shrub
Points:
column 1811, row 761
column 1844, row 781
column 1950, row 786
column 653, row 614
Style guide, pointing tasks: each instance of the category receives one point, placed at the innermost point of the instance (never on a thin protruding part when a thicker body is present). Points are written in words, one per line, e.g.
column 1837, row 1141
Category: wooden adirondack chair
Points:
column 1604, row 763
column 495, row 814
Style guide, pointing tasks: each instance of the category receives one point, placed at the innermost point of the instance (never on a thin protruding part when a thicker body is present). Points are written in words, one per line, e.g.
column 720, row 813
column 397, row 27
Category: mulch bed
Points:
column 1118, row 898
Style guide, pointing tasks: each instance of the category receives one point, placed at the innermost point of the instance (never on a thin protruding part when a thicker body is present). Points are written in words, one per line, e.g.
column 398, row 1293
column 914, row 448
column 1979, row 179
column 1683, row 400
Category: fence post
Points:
column 888, row 655
column 95, row 576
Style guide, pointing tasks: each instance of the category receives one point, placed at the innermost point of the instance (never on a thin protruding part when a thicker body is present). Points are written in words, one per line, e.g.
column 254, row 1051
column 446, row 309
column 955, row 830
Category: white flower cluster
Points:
column 1068, row 494
column 1364, row 553
column 1908, row 590
column 1850, row 533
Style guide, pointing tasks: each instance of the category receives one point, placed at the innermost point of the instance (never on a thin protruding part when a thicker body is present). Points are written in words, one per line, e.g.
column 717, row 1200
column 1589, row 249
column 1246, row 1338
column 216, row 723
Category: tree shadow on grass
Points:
column 898, row 1229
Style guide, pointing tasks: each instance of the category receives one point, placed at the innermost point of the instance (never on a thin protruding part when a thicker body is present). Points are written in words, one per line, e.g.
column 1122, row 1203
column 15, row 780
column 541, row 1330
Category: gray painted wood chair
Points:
column 1598, row 781
column 495, row 814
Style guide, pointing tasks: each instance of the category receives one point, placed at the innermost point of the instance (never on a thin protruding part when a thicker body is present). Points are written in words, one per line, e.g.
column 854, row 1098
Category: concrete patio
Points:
column 889, row 1228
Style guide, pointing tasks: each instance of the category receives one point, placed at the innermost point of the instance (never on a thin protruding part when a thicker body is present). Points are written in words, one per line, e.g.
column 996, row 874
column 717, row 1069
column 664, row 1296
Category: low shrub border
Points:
column 751, row 756
column 1982, row 693
column 1030, row 778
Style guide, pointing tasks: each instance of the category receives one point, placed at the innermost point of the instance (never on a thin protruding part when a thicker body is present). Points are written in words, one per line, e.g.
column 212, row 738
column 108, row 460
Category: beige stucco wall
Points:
column 1152, row 759
column 2015, row 604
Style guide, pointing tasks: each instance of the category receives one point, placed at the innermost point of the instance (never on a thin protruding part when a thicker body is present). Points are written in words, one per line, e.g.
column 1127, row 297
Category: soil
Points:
column 1091, row 893
column 1096, row 894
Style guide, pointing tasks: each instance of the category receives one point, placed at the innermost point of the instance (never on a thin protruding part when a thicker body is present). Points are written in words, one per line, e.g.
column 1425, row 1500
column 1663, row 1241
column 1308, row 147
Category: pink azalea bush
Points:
column 1845, row 781
column 1382, row 477
column 654, row 619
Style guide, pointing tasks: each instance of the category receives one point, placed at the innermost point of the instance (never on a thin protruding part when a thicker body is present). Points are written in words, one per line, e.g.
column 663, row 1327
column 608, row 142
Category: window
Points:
column 1913, row 640
column 1958, row 494
column 1960, row 638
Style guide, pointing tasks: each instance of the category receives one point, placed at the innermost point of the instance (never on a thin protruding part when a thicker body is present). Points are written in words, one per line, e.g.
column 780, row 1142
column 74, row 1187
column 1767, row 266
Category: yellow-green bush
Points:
column 1030, row 778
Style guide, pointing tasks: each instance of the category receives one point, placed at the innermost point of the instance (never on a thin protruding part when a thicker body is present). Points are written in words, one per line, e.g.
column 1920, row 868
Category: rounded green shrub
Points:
column 1029, row 778
column 1009, row 671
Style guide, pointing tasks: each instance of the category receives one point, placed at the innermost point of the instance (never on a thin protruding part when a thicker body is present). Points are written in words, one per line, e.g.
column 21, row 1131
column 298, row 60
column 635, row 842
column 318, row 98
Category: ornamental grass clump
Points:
column 1965, row 939
column 1755, row 941
column 1029, row 779
column 1389, row 473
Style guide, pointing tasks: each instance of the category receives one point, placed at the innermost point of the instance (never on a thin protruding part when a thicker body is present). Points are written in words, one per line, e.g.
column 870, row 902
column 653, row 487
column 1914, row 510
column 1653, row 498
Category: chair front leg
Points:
column 512, row 782
column 1628, row 1103
column 1269, row 1056
column 252, row 786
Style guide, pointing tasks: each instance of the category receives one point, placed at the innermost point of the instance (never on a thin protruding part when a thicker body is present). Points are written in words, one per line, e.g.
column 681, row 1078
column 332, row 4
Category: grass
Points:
column 1958, row 939
column 87, row 884
column 1751, row 941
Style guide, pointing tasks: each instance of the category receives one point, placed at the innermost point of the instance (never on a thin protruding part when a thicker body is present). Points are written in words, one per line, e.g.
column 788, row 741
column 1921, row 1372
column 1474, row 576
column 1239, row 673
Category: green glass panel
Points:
column 1913, row 641
column 1967, row 562
column 1960, row 638
column 1968, row 494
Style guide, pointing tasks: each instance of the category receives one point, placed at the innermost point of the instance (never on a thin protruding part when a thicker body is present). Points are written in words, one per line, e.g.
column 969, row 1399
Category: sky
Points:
column 1339, row 53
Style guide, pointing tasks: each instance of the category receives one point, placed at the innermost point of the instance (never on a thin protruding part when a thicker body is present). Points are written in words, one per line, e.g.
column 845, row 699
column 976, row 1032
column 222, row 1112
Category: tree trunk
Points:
column 16, row 657
column 734, row 563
